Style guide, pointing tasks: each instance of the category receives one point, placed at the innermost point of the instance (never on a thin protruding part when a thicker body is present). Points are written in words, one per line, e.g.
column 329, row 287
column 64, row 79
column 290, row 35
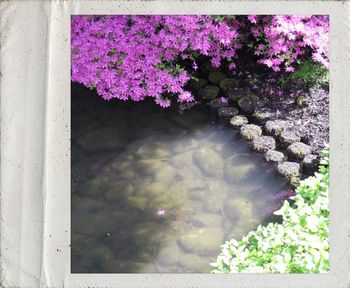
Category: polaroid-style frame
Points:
column 35, row 143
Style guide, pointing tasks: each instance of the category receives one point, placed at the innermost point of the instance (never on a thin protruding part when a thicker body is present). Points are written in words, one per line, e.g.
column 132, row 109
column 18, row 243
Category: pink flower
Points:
column 160, row 212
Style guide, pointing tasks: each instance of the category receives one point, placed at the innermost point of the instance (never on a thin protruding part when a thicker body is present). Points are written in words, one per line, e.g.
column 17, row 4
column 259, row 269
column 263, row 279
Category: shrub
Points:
column 299, row 244
column 139, row 56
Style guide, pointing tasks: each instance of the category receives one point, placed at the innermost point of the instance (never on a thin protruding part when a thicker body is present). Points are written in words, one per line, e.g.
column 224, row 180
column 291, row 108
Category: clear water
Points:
column 132, row 160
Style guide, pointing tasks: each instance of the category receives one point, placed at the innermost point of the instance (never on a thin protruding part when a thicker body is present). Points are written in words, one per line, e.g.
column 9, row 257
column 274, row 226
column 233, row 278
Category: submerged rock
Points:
column 209, row 161
column 149, row 166
column 94, row 187
column 212, row 204
column 207, row 220
column 274, row 156
column 194, row 263
column 166, row 175
column 216, row 76
column 276, row 127
column 250, row 131
column 119, row 189
column 238, row 208
column 209, row 92
column 263, row 143
column 237, row 168
column 238, row 121
column 152, row 150
column 169, row 254
column 202, row 240
column 102, row 139
column 298, row 150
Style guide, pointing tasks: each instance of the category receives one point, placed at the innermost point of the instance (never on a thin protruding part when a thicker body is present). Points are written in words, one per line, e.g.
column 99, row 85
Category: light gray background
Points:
column 35, row 144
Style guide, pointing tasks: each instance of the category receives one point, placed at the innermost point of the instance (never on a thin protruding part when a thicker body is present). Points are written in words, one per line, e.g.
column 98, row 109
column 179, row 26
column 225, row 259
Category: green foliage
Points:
column 299, row 244
column 308, row 74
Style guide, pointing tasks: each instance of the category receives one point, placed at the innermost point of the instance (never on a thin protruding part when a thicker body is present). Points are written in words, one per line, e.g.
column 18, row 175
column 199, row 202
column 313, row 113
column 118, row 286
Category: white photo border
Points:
column 35, row 143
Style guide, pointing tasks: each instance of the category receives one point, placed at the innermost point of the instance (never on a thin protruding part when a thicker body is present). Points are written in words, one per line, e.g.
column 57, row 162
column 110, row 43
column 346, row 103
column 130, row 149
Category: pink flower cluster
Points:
column 281, row 40
column 134, row 57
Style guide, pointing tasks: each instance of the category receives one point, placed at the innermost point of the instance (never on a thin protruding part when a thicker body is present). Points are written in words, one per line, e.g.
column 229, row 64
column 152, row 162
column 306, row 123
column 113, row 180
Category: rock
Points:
column 298, row 150
column 147, row 234
column 290, row 171
column 262, row 117
column 217, row 103
column 166, row 175
column 85, row 204
column 169, row 254
column 276, row 127
column 198, row 194
column 193, row 263
column 238, row 121
column 149, row 166
column 229, row 86
column 182, row 160
column 274, row 156
column 206, row 67
column 288, row 137
column 238, row 167
column 137, row 203
column 94, row 187
column 212, row 205
column 123, row 266
column 310, row 163
column 154, row 189
column 196, row 84
column 226, row 113
column 216, row 76
column 184, row 145
column 247, row 104
column 207, row 220
column 118, row 190
column 152, row 150
column 209, row 92
column 238, row 208
column 263, row 143
column 202, row 240
column 102, row 139
column 209, row 161
column 250, row 131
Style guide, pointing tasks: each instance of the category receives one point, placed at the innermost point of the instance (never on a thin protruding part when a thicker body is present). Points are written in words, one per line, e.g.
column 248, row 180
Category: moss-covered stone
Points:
column 250, row 131
column 298, row 150
column 216, row 76
column 209, row 92
column 263, row 143
column 238, row 121
column 274, row 156
column 276, row 127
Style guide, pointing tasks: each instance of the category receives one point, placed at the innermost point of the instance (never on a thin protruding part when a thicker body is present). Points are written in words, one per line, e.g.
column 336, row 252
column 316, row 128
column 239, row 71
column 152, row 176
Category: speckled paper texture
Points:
column 35, row 144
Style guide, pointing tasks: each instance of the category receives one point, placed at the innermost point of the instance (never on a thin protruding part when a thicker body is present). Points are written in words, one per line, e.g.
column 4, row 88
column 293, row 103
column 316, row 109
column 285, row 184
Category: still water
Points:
column 157, row 191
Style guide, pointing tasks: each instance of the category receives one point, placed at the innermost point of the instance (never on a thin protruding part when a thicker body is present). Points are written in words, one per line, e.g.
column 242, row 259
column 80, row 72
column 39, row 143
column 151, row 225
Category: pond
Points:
column 158, row 191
